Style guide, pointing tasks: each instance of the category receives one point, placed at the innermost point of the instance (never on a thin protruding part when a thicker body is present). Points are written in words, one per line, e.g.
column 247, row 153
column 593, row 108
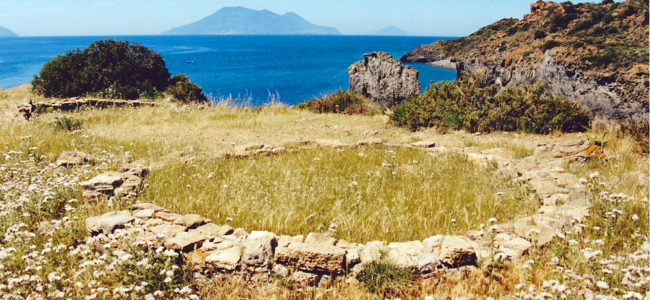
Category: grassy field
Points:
column 358, row 194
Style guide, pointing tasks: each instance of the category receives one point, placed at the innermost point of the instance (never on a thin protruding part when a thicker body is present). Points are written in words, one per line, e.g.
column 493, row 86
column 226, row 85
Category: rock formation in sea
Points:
column 383, row 79
column 593, row 54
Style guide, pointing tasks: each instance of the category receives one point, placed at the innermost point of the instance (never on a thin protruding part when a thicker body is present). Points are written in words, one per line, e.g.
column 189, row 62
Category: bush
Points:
column 598, row 31
column 582, row 25
column 111, row 69
column 560, row 21
column 540, row 34
column 512, row 30
column 69, row 124
column 470, row 104
column 629, row 10
column 386, row 279
column 184, row 90
column 612, row 30
column 342, row 101
column 550, row 45
column 503, row 48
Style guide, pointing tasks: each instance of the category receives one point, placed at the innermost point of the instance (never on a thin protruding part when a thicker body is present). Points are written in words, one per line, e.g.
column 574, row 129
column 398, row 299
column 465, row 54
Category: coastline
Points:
column 446, row 64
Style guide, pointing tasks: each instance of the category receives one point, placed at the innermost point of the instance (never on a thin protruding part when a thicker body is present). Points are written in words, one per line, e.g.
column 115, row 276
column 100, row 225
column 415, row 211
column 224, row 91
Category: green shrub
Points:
column 503, row 48
column 342, row 101
column 560, row 21
column 540, row 33
column 612, row 30
column 512, row 30
column 629, row 11
column 597, row 15
column 184, row 90
column 598, row 31
column 469, row 104
column 607, row 1
column 582, row 25
column 385, row 278
column 153, row 93
column 69, row 124
column 107, row 68
column 550, row 45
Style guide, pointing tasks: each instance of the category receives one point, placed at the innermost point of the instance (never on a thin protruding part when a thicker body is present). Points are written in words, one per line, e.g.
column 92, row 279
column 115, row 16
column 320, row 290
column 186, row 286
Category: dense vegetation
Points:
column 470, row 104
column 111, row 69
column 342, row 101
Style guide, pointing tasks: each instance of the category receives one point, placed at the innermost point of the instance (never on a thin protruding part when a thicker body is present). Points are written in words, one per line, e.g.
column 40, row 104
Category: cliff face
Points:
column 593, row 54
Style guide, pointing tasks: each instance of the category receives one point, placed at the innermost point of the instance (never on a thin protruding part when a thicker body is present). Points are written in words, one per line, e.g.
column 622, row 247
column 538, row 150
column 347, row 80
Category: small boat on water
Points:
column 190, row 61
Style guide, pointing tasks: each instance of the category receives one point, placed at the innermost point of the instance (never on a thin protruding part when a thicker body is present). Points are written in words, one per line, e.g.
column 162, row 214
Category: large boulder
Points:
column 383, row 79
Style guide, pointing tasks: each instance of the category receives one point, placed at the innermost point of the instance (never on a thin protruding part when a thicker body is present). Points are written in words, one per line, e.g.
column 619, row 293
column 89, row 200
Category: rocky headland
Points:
column 593, row 54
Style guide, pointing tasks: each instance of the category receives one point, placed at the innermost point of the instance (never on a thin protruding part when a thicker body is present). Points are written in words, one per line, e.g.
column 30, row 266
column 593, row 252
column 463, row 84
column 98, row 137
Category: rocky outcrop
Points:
column 592, row 72
column 383, row 79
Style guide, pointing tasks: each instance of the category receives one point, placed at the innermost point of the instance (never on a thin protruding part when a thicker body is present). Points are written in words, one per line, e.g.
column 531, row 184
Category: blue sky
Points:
column 146, row 17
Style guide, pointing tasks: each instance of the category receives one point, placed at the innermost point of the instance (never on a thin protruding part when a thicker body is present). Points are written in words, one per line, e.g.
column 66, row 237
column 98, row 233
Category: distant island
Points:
column 244, row 21
column 389, row 31
column 4, row 32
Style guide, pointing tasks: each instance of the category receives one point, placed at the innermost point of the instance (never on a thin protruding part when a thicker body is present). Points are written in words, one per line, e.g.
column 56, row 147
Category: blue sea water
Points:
column 297, row 68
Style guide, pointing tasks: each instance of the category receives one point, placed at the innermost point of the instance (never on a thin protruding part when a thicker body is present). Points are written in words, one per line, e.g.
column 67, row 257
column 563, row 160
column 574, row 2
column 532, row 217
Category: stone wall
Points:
column 318, row 257
column 26, row 110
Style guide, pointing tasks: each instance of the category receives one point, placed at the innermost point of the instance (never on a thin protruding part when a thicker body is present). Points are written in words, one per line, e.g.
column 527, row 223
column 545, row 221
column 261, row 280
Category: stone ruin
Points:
column 26, row 110
column 318, row 258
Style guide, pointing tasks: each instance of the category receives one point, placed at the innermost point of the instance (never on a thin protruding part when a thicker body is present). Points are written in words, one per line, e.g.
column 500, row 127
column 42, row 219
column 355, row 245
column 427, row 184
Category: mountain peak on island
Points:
column 389, row 31
column 243, row 21
column 4, row 32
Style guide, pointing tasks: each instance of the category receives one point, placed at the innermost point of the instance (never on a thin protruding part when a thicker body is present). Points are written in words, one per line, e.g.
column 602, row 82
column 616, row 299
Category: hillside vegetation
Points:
column 594, row 54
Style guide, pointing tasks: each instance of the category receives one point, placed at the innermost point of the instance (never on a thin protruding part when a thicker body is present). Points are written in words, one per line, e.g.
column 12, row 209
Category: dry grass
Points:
column 399, row 195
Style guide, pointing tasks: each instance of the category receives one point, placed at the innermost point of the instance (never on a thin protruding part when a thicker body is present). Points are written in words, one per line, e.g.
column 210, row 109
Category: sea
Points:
column 256, row 69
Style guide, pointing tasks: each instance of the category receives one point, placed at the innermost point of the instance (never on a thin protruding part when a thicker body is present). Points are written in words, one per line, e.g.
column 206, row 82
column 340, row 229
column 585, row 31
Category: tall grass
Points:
column 366, row 194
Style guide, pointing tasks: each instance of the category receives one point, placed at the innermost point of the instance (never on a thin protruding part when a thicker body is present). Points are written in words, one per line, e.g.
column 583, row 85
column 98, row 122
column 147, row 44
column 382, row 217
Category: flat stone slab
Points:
column 110, row 224
column 404, row 255
column 170, row 230
column 185, row 244
column 106, row 182
column 94, row 224
column 143, row 206
column 458, row 251
column 315, row 257
column 226, row 259
column 192, row 221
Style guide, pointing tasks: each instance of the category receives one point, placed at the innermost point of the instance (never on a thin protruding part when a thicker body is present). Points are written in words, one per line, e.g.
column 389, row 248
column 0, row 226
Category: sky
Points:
column 351, row 17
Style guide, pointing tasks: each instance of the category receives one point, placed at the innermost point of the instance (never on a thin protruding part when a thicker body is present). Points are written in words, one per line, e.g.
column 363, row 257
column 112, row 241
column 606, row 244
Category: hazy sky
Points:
column 146, row 17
